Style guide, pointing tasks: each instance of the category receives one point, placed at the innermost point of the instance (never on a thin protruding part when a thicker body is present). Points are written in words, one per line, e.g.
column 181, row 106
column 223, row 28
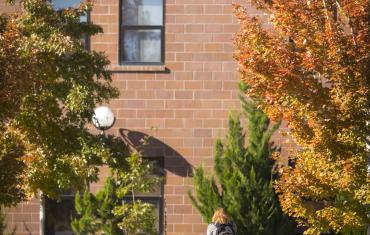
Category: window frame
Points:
column 150, row 198
column 121, row 32
column 159, row 200
column 86, row 37
column 153, row 200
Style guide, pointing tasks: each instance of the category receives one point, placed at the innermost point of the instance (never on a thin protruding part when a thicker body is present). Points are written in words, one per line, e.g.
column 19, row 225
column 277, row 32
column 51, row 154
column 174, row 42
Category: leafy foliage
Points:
column 11, row 168
column 108, row 213
column 96, row 211
column 207, row 197
column 244, row 173
column 49, row 85
column 313, row 71
column 137, row 216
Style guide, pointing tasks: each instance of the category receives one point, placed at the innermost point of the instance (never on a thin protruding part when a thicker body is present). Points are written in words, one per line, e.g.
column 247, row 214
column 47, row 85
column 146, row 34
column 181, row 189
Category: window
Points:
column 58, row 215
column 142, row 32
column 63, row 4
column 155, row 198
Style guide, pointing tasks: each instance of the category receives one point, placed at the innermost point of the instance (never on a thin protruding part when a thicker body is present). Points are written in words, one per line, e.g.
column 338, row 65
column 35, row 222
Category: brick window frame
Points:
column 142, row 66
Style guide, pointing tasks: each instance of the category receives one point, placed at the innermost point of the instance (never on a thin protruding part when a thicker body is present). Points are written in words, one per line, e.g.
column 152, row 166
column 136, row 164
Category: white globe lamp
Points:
column 103, row 118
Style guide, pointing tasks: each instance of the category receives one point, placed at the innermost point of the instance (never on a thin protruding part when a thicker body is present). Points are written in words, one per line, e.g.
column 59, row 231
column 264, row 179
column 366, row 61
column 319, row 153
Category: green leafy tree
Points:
column 108, row 213
column 96, row 212
column 137, row 216
column 243, row 185
column 49, row 85
column 11, row 168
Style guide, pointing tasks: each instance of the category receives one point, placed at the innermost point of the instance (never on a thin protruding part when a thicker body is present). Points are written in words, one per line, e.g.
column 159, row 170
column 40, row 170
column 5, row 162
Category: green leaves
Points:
column 138, row 177
column 115, row 209
column 243, row 185
column 11, row 170
column 85, row 207
column 78, row 98
column 138, row 217
column 207, row 198
column 48, row 88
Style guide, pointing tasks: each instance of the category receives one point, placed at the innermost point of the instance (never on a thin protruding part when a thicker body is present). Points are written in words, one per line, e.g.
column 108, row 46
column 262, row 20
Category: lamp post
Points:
column 103, row 118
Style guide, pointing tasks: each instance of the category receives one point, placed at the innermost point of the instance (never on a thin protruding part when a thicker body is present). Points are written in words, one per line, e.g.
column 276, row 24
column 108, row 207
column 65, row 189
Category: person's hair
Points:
column 220, row 217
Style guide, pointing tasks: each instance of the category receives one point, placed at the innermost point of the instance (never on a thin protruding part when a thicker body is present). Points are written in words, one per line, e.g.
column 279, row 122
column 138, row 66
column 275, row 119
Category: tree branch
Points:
column 350, row 24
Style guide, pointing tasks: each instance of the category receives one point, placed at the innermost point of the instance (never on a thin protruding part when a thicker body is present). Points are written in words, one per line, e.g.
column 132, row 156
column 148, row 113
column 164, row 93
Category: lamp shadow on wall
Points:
column 174, row 162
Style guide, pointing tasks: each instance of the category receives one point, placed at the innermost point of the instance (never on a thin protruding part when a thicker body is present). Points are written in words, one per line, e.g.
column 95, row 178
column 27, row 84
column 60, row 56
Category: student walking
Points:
column 221, row 224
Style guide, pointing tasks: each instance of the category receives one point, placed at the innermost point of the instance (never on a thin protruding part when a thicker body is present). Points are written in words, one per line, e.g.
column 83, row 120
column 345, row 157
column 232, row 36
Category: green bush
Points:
column 243, row 181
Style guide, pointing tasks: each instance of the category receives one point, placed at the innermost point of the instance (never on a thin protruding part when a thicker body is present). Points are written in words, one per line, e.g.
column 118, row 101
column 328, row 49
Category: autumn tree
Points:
column 243, row 180
column 49, row 85
column 11, row 166
column 312, row 70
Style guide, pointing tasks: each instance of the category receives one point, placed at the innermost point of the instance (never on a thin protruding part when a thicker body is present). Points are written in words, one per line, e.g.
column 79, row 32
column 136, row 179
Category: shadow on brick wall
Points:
column 152, row 147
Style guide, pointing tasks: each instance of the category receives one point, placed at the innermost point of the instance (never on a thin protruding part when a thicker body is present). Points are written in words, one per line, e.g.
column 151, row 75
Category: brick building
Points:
column 172, row 61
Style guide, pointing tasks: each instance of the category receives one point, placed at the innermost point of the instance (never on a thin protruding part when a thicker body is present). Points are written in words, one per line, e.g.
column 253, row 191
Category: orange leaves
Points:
column 309, row 72
column 12, row 73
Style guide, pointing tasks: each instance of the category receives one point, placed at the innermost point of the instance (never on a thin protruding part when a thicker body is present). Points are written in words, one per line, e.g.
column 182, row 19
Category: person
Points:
column 221, row 224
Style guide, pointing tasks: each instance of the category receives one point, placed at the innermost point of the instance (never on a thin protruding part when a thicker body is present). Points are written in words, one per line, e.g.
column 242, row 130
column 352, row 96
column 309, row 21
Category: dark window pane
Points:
column 58, row 216
column 157, row 206
column 142, row 12
column 157, row 192
column 142, row 45
column 158, row 172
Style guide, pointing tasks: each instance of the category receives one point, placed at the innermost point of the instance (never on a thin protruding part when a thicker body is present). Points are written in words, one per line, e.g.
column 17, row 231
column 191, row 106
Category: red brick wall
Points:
column 25, row 218
column 184, row 110
column 7, row 8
